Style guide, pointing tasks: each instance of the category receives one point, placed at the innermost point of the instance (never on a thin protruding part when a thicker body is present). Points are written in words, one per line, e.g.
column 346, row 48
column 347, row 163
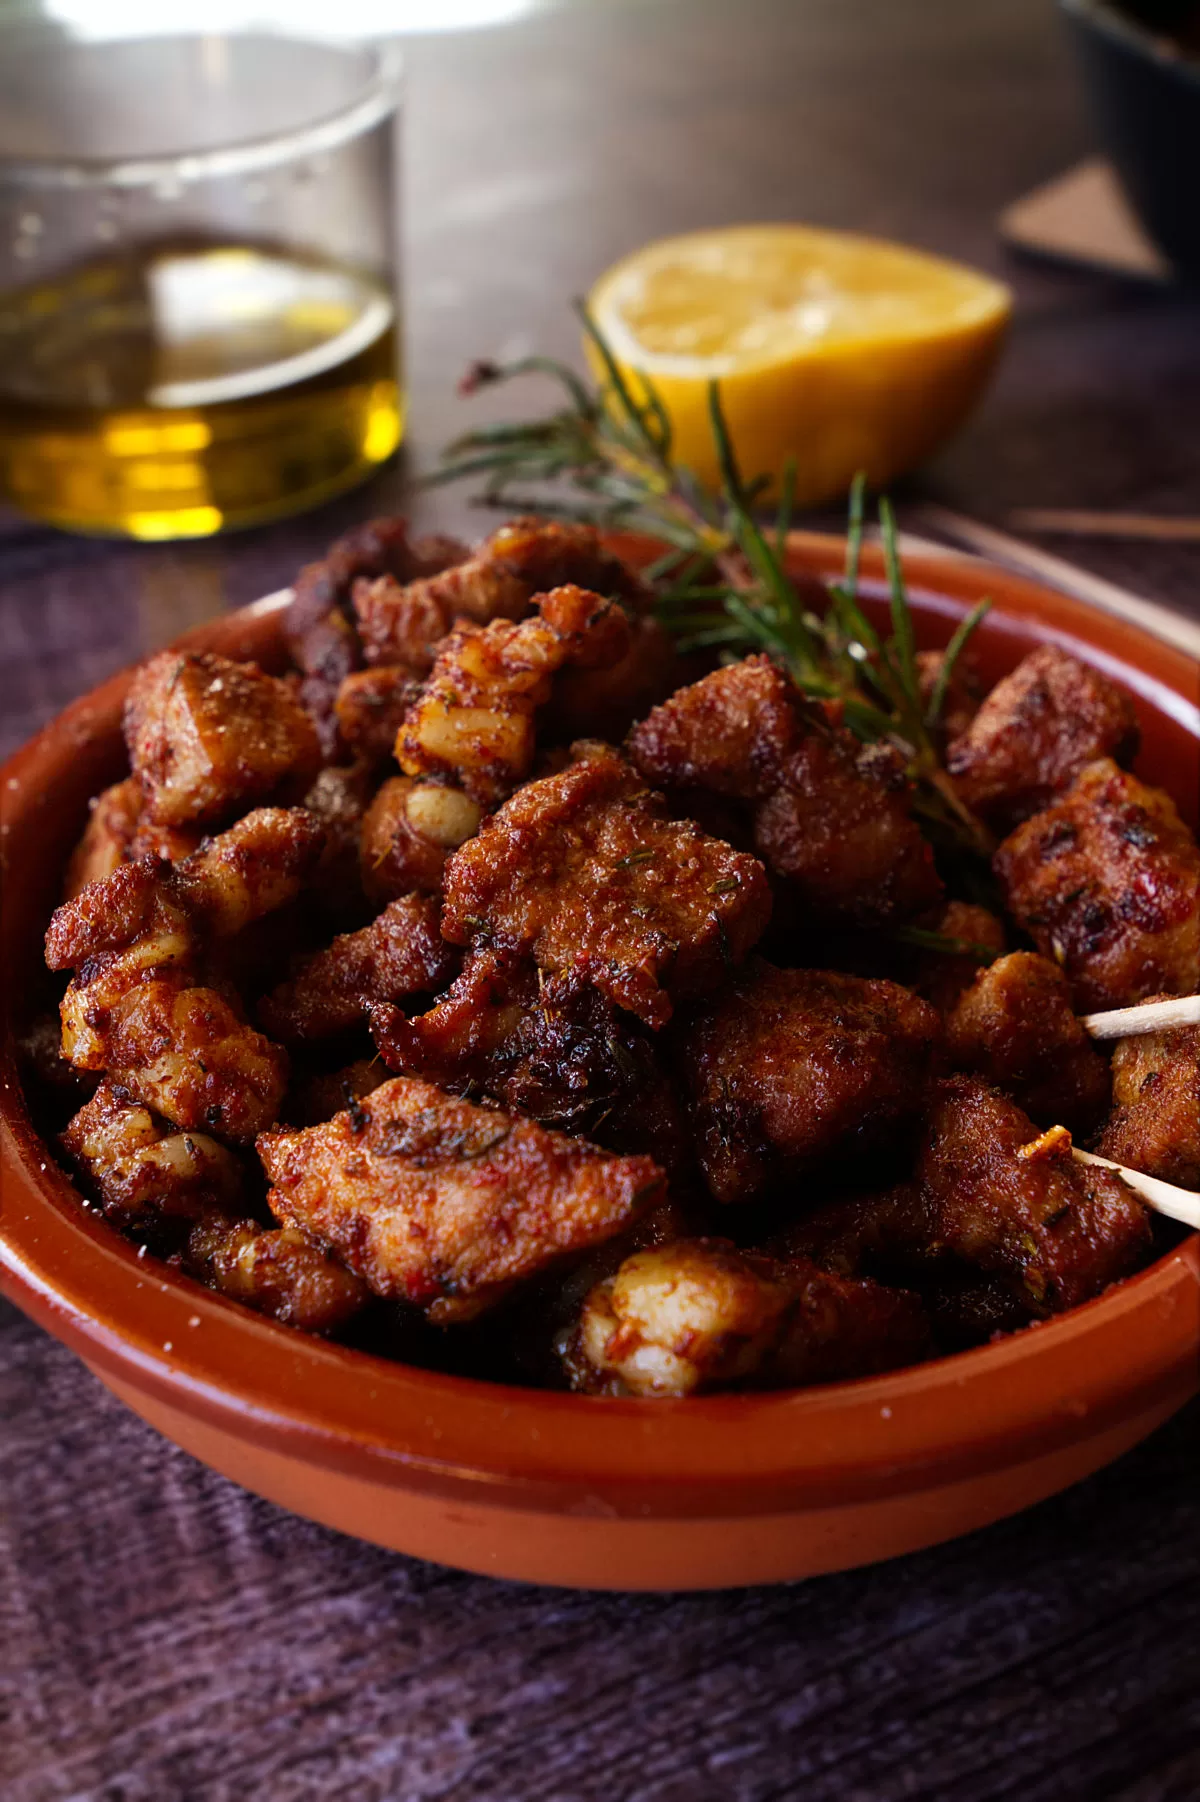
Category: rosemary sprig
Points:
column 606, row 456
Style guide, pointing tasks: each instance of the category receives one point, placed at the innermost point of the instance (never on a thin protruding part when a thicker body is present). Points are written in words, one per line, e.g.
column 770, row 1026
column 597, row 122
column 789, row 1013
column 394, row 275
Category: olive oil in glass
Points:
column 174, row 390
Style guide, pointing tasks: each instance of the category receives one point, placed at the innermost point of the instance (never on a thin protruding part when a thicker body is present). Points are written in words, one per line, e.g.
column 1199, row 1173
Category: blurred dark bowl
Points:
column 1141, row 63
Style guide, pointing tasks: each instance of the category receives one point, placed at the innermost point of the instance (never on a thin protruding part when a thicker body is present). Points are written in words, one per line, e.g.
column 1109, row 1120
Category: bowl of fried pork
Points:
column 544, row 1105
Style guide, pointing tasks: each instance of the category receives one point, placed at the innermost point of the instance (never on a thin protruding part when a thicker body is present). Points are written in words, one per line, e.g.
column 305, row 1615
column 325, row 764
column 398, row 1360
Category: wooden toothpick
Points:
column 1149, row 1016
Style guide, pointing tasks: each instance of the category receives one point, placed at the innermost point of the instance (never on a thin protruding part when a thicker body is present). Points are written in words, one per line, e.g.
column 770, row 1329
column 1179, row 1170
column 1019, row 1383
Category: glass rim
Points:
column 377, row 100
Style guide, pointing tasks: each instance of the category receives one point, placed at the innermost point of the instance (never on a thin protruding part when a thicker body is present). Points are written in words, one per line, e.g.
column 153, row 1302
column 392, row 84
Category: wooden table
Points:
column 165, row 1637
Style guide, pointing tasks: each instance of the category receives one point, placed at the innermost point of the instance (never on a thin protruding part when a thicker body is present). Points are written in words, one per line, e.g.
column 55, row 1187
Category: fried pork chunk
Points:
column 1015, row 1027
column 143, row 1172
column 830, row 817
column 474, row 721
column 400, row 623
column 208, row 738
column 339, row 799
column 402, row 953
column 583, row 872
column 138, row 1007
column 1107, row 883
column 278, row 1272
column 698, row 1314
column 1034, row 734
column 786, row 1068
column 1155, row 1122
column 943, row 977
column 370, row 709
column 446, row 1203
column 112, row 823
column 1015, row 1202
column 408, row 832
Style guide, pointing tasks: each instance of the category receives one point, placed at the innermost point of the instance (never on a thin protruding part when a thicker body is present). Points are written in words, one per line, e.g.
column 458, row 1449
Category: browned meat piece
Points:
column 582, row 871
column 112, row 822
column 339, row 798
column 143, row 1172
column 119, row 912
column 1035, row 732
column 179, row 1048
column 839, row 834
column 730, row 732
column 401, row 953
column 1155, row 1122
column 408, row 832
column 522, row 559
column 252, row 869
column 831, row 817
column 170, row 843
column 320, row 1097
column 699, row 1315
column 208, row 738
column 370, row 709
column 279, row 1272
column 1013, row 1201
column 445, row 1203
column 861, row 1235
column 1015, row 1027
column 473, row 723
column 787, row 1067
column 1107, row 883
column 942, row 978
column 964, row 692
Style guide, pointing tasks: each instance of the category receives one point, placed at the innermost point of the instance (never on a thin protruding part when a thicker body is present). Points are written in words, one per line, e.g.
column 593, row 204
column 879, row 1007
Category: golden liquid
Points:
column 181, row 389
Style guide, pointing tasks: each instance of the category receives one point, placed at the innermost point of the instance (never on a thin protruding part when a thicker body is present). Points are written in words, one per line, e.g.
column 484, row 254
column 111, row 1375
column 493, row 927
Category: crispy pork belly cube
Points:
column 400, row 625
column 408, row 832
column 943, row 977
column 1035, row 732
column 141, row 1170
column 278, row 1272
column 1155, row 1122
column 473, row 723
column 208, row 738
column 964, row 692
column 787, row 1068
column 582, row 871
column 178, row 1048
column 322, row 591
column 1016, row 1203
column 698, row 1315
column 370, row 709
column 112, row 823
column 320, row 1097
column 839, row 834
column 729, row 733
column 130, row 908
column 445, row 1203
column 252, row 869
column 1016, row 1028
column 402, row 953
column 604, row 703
column 1107, row 883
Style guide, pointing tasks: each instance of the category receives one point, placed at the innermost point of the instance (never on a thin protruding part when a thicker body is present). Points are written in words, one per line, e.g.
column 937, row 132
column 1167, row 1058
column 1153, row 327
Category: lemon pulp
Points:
column 836, row 351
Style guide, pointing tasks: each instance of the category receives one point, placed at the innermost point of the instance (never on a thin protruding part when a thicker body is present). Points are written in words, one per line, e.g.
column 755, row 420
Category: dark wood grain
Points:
column 165, row 1637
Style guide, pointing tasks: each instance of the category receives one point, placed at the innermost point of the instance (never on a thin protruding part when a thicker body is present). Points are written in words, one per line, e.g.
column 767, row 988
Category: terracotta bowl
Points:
column 556, row 1488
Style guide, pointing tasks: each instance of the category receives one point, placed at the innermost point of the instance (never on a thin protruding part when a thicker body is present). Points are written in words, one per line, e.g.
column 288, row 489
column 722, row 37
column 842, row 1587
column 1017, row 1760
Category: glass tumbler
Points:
column 198, row 271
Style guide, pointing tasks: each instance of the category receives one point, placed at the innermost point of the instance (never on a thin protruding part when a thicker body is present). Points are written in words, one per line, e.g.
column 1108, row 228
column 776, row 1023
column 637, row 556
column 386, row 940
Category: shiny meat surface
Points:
column 445, row 1203
column 787, row 1068
column 1034, row 733
column 1014, row 1202
column 583, row 871
column 697, row 1314
column 402, row 953
column 1107, row 883
column 278, row 1272
column 143, row 1172
column 730, row 732
column 1015, row 1026
column 473, row 722
column 370, row 709
column 208, row 738
column 112, row 823
column 1155, row 1122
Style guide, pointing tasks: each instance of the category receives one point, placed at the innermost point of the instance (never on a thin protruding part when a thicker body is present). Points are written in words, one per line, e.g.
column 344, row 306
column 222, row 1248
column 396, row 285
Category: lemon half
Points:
column 841, row 352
